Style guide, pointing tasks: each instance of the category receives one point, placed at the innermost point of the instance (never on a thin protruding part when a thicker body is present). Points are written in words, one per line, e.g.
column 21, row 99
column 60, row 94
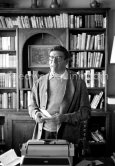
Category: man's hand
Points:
column 57, row 118
column 39, row 117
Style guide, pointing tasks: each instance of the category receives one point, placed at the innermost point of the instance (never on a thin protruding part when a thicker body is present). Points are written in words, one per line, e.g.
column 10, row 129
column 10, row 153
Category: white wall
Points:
column 66, row 3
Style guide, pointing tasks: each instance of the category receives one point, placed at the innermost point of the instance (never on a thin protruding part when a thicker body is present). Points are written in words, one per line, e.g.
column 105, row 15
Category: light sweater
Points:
column 56, row 91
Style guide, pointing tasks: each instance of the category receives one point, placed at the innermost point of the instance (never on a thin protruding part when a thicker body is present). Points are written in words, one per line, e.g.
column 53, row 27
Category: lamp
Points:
column 112, row 60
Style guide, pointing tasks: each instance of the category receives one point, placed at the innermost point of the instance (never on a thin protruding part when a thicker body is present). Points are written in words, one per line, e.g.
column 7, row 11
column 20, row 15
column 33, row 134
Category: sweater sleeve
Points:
column 33, row 106
column 81, row 110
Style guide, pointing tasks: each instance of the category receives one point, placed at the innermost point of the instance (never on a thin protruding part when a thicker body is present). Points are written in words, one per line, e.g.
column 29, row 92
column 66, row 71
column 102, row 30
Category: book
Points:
column 96, row 100
column 83, row 41
column 10, row 158
column 28, row 97
column 30, row 79
column 92, row 77
column 88, row 41
column 111, row 100
column 21, row 99
column 88, row 78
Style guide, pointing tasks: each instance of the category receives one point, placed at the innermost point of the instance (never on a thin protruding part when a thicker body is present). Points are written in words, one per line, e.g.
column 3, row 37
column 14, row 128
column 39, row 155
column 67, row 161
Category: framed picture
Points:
column 38, row 55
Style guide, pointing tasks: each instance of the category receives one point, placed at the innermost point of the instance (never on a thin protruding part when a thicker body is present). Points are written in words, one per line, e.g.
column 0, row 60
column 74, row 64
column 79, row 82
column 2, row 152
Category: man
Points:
column 63, row 94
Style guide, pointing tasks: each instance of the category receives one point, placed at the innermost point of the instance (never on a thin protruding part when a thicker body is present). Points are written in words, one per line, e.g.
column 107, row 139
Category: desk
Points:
column 106, row 161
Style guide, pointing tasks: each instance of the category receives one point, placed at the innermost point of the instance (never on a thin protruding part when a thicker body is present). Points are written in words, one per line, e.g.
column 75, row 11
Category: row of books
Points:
column 97, row 98
column 62, row 20
column 58, row 21
column 27, row 80
column 93, row 78
column 25, row 98
column 7, row 43
column 87, row 21
column 8, row 100
column 8, row 80
column 85, row 41
column 8, row 60
column 86, row 59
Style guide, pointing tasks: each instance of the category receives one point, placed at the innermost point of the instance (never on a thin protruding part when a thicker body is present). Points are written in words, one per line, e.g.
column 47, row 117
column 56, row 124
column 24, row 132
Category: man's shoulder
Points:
column 41, row 79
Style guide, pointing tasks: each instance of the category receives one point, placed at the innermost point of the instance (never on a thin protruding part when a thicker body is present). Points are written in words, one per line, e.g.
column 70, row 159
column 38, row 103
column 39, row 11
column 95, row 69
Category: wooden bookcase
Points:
column 72, row 28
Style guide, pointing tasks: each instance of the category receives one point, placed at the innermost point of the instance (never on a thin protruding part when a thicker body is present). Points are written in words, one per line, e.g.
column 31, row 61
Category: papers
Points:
column 10, row 158
column 87, row 162
column 46, row 113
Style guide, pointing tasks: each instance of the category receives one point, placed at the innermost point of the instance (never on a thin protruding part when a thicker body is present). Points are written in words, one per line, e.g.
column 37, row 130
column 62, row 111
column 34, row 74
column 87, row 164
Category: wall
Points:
column 65, row 3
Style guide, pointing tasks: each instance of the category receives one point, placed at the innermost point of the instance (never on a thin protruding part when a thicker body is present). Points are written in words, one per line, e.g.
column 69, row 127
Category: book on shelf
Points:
column 28, row 97
column 21, row 99
column 30, row 79
column 83, row 41
column 93, row 78
column 62, row 20
column 26, row 81
column 25, row 99
column 96, row 99
column 8, row 100
column 111, row 100
column 88, row 41
column 88, row 78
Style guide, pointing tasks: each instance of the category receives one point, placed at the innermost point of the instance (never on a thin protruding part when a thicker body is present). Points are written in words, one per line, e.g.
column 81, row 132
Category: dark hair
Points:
column 62, row 49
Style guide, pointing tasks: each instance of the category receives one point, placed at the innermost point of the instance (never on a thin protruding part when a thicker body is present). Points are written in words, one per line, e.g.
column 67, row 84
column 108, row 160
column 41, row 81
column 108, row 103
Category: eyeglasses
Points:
column 57, row 58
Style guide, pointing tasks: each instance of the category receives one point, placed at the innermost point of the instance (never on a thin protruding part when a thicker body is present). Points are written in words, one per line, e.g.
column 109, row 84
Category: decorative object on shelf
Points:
column 95, row 4
column 35, row 3
column 54, row 4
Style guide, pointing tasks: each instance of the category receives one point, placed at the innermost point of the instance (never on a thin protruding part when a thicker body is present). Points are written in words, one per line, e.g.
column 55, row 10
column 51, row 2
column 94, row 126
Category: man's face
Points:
column 57, row 62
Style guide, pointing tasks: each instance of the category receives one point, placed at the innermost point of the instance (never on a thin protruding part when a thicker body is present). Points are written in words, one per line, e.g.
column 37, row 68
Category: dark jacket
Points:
column 75, row 105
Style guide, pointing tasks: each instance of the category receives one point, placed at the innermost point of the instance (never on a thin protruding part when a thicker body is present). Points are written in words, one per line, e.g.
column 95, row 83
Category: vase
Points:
column 33, row 3
column 54, row 4
column 93, row 4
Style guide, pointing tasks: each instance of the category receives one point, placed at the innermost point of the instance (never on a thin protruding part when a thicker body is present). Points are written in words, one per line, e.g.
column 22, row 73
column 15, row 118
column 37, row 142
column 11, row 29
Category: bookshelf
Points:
column 83, row 31
column 88, row 46
column 8, row 69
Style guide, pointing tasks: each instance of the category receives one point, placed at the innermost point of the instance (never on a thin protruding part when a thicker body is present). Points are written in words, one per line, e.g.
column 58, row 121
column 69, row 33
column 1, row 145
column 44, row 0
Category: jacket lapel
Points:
column 69, row 94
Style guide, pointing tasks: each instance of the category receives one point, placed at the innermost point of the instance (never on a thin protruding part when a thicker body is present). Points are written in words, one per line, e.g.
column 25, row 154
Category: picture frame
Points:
column 38, row 55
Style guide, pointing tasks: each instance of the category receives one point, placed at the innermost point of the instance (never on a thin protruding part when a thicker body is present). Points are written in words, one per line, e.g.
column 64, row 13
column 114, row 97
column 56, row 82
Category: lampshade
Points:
column 112, row 60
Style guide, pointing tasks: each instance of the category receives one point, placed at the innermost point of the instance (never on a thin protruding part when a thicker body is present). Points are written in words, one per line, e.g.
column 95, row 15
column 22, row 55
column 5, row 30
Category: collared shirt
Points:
column 62, row 76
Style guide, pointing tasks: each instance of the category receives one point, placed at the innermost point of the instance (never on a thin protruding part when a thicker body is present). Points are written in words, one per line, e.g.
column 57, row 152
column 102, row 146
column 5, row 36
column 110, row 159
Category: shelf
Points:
column 99, row 112
column 87, row 68
column 43, row 11
column 88, row 29
column 53, row 36
column 9, row 88
column 97, row 143
column 8, row 51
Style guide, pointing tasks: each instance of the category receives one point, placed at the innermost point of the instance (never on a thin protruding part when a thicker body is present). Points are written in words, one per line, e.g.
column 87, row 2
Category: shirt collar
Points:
column 62, row 76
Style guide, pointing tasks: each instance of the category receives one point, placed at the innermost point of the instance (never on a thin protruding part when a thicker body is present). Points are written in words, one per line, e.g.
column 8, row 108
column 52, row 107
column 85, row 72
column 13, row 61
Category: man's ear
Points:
column 67, row 61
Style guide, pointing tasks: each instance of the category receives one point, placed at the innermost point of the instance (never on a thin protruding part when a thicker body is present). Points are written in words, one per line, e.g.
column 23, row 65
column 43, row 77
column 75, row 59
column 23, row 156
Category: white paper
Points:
column 46, row 113
column 10, row 158
column 86, row 162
